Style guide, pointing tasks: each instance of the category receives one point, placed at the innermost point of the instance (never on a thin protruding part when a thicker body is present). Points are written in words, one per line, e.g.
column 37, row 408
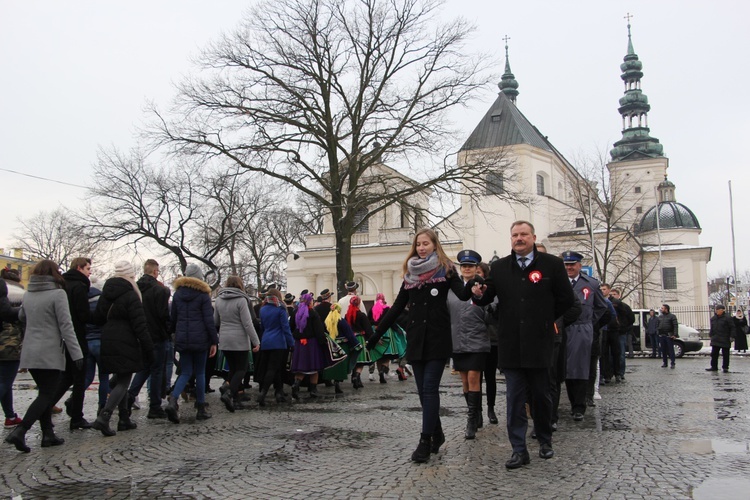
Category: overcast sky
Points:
column 76, row 76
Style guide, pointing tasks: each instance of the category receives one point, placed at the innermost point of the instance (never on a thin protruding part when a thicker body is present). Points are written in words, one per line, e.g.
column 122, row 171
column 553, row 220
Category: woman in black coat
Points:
column 428, row 276
column 740, row 331
column 126, row 344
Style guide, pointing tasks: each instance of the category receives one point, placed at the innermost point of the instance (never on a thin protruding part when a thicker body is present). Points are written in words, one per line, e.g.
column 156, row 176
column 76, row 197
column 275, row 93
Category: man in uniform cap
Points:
column 580, row 334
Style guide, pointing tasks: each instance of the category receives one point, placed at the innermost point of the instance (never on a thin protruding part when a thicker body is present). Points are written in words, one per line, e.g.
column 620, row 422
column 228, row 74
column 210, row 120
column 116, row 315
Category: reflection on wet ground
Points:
column 725, row 487
column 713, row 446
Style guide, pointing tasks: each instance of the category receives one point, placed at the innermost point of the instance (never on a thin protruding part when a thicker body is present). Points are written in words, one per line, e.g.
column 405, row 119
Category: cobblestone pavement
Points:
column 679, row 433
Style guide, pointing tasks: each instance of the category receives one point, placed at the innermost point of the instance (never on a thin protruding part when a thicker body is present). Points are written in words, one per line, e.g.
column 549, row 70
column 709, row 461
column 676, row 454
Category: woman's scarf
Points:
column 270, row 299
column 332, row 321
column 379, row 308
column 351, row 313
column 423, row 271
column 303, row 311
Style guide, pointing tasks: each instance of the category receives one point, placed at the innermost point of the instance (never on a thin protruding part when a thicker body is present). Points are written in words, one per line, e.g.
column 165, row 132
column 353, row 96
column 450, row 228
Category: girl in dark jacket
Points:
column 125, row 343
column 428, row 276
column 274, row 345
column 195, row 338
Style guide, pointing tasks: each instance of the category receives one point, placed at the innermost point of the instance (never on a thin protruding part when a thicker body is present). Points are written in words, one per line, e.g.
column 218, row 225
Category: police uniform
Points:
column 580, row 335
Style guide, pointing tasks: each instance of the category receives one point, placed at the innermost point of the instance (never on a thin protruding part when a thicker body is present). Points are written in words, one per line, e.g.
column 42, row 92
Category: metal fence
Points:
column 697, row 317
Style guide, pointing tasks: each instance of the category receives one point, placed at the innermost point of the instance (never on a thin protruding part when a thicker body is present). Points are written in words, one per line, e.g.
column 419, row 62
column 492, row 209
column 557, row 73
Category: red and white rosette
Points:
column 535, row 276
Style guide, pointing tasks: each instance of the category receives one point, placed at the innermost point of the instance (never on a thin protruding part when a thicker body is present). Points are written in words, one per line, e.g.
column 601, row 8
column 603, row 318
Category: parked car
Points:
column 688, row 341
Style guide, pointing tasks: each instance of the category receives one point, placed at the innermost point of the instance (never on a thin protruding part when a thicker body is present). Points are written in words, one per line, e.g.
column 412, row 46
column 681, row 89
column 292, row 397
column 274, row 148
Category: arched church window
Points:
column 540, row 184
column 360, row 216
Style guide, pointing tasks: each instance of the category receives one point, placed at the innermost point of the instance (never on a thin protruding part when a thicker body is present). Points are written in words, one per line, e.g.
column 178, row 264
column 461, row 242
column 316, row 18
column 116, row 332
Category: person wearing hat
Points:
column 579, row 335
column 289, row 303
column 126, row 346
column 196, row 338
column 740, row 327
column 351, row 289
column 722, row 332
column 323, row 308
column 471, row 342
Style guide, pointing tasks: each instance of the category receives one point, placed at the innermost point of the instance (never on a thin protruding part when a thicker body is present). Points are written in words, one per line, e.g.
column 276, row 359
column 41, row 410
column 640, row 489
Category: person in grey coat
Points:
column 49, row 335
column 722, row 332
column 237, row 337
column 471, row 342
column 579, row 335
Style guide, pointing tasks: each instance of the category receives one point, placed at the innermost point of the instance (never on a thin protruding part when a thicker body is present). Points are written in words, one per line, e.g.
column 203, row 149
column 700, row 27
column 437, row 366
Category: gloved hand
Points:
column 79, row 364
column 371, row 343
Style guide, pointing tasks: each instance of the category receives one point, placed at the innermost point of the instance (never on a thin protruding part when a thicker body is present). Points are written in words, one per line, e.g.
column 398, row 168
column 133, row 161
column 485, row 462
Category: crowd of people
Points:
column 532, row 315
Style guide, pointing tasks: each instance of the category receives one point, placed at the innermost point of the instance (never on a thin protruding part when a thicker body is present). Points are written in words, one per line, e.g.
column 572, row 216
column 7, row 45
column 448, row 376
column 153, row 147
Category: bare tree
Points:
column 600, row 202
column 315, row 93
column 59, row 235
column 133, row 202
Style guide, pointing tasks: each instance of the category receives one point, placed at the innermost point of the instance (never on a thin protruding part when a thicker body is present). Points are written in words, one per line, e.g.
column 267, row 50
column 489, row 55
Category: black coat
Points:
column 126, row 343
column 192, row 317
column 77, row 287
column 740, row 333
column 722, row 330
column 156, row 306
column 529, row 300
column 428, row 328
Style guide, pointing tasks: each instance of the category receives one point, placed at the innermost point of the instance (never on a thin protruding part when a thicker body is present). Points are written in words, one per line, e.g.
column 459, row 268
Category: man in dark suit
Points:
column 533, row 290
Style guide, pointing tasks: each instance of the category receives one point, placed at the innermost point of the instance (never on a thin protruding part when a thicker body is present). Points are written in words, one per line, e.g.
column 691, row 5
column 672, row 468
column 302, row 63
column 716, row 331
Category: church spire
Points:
column 636, row 143
column 508, row 84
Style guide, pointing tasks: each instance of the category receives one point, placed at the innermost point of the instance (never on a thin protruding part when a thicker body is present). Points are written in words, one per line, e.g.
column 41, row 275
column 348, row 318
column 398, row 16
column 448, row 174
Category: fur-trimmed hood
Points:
column 193, row 283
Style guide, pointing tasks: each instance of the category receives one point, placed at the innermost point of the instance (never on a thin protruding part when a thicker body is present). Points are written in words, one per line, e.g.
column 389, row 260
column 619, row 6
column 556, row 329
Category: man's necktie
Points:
column 523, row 260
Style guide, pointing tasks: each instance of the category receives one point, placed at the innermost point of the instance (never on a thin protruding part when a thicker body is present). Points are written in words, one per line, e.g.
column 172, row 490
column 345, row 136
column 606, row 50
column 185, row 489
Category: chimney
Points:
column 18, row 253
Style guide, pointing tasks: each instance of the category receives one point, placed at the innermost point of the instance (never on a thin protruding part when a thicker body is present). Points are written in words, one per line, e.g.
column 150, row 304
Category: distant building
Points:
column 18, row 262
column 657, row 256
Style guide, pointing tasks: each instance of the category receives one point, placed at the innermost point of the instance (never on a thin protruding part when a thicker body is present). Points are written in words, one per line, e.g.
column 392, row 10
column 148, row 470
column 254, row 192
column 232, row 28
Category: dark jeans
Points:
column 237, row 361
column 427, row 375
column 275, row 360
column 610, row 354
column 156, row 373
column 655, row 348
column 8, row 371
column 517, row 382
column 667, row 348
column 92, row 363
column 490, row 376
column 72, row 376
column 715, row 357
column 192, row 362
column 623, row 347
column 47, row 382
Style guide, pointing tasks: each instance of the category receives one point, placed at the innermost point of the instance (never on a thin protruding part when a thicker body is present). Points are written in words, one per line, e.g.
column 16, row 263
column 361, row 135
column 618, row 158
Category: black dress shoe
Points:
column 518, row 460
column 546, row 451
column 79, row 424
column 578, row 417
column 725, row 370
column 712, row 369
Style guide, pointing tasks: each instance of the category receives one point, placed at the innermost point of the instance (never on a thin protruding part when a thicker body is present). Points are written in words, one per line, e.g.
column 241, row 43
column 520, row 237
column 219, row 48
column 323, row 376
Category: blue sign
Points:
column 588, row 270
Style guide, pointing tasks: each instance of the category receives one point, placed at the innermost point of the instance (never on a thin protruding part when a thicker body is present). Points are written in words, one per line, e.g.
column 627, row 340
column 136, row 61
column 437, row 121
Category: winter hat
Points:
column 193, row 271
column 124, row 269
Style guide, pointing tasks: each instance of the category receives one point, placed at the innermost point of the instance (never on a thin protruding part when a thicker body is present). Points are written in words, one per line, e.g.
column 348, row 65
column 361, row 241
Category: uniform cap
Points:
column 571, row 256
column 469, row 257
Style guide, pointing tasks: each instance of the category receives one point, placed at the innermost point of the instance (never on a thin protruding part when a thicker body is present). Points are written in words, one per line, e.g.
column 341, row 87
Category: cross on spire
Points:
column 628, row 16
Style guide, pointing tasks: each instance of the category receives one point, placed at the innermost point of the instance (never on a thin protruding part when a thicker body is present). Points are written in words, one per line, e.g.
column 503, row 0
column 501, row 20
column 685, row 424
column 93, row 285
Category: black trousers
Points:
column 490, row 376
column 610, row 354
column 724, row 357
column 72, row 376
column 237, row 361
column 41, row 408
column 519, row 382
column 577, row 394
column 556, row 377
column 275, row 362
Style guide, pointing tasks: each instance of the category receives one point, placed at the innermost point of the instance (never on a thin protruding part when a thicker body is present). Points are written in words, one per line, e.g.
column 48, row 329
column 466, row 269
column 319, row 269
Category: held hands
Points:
column 478, row 289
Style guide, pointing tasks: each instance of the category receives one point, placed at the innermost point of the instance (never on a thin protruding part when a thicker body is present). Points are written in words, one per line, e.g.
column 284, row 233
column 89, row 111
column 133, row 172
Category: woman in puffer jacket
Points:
column 195, row 338
column 126, row 345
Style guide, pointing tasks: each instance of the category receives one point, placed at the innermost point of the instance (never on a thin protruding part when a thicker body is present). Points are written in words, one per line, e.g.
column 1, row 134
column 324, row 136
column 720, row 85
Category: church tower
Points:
column 638, row 162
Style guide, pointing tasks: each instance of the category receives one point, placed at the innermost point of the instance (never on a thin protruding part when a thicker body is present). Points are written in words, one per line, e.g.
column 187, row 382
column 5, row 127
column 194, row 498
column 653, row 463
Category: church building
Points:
column 632, row 231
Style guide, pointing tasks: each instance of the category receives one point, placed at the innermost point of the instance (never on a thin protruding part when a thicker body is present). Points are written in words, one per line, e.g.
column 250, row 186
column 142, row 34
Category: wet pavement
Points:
column 664, row 433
